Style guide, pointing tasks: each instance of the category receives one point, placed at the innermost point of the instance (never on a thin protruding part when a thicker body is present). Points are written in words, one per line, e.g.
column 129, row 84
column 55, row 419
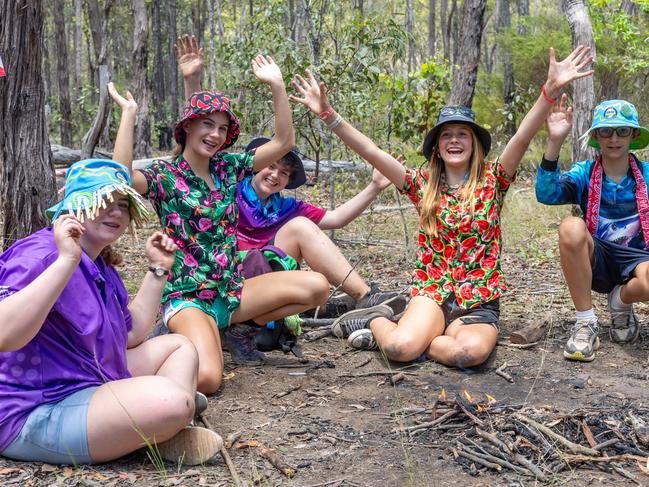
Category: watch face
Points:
column 159, row 272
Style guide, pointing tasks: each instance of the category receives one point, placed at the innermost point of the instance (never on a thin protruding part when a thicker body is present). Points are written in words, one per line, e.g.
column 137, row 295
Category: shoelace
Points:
column 353, row 325
column 625, row 315
column 583, row 330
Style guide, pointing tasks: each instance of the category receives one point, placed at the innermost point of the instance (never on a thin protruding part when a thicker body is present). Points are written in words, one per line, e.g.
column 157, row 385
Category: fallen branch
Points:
column 226, row 458
column 476, row 459
column 501, row 372
column 574, row 447
column 430, row 424
column 317, row 334
column 273, row 457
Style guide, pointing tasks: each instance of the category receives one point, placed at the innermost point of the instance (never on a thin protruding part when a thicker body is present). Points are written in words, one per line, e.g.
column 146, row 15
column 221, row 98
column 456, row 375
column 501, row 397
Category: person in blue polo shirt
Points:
column 606, row 250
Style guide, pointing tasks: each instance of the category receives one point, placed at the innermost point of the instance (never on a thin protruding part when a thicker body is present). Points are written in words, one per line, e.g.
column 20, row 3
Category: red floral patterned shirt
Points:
column 464, row 258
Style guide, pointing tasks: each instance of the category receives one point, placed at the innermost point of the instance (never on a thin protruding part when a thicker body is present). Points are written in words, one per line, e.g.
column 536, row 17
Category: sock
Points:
column 589, row 315
column 616, row 300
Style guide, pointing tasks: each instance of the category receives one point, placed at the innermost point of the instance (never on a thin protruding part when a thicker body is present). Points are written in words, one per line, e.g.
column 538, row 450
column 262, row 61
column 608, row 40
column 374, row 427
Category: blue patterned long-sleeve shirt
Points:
column 619, row 221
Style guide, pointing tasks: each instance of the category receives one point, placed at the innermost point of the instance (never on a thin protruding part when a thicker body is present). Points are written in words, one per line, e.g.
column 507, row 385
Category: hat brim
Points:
column 640, row 142
column 483, row 134
column 233, row 128
column 298, row 177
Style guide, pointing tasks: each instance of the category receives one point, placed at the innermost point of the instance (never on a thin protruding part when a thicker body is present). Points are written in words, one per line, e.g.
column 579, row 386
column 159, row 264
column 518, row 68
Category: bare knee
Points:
column 402, row 348
column 175, row 409
column 469, row 356
column 209, row 377
column 317, row 287
column 573, row 233
column 301, row 226
column 183, row 347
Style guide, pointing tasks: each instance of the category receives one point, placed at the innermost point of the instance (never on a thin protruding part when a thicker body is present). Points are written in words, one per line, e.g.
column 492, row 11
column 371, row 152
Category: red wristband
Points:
column 322, row 115
column 546, row 96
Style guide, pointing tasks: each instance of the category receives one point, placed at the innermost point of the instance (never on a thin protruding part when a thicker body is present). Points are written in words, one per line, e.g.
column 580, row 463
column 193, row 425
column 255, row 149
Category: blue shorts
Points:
column 55, row 432
column 217, row 310
column 614, row 264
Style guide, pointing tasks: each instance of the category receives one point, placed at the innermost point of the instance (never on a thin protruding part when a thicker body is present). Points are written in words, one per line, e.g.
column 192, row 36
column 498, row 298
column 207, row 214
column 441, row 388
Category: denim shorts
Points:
column 55, row 432
column 485, row 313
column 614, row 264
column 217, row 310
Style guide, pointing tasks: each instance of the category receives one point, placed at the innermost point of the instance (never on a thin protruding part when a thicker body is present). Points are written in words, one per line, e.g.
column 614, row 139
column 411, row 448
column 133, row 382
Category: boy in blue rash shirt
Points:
column 606, row 251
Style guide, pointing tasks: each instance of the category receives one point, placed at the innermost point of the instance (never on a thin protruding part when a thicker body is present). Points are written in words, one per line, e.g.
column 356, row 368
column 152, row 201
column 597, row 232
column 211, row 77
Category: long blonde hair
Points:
column 433, row 192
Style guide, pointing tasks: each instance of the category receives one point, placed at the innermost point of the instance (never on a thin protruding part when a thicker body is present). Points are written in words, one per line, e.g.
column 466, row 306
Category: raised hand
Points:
column 189, row 56
column 314, row 94
column 379, row 180
column 125, row 104
column 67, row 236
column 160, row 250
column 266, row 70
column 559, row 121
column 571, row 68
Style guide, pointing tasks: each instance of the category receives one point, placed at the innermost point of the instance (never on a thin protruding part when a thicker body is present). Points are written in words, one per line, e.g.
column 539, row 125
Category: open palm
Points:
column 571, row 68
column 266, row 70
column 314, row 94
column 559, row 121
column 189, row 56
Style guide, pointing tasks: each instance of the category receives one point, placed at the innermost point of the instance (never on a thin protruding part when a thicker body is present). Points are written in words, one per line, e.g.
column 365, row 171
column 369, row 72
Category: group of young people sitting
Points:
column 81, row 384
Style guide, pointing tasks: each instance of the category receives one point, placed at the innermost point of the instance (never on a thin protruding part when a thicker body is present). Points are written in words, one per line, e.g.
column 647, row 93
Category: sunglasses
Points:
column 606, row 132
column 465, row 111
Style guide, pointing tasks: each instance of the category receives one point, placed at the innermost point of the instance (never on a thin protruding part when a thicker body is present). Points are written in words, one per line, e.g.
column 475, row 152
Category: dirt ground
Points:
column 330, row 418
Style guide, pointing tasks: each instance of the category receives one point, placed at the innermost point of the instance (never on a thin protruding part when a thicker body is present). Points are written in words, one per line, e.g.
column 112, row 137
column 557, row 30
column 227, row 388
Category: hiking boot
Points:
column 583, row 342
column 191, row 446
column 335, row 306
column 359, row 319
column 362, row 339
column 375, row 296
column 240, row 340
column 624, row 323
column 200, row 404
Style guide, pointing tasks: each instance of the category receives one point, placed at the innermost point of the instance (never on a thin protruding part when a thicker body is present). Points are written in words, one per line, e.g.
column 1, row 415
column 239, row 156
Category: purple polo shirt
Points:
column 82, row 342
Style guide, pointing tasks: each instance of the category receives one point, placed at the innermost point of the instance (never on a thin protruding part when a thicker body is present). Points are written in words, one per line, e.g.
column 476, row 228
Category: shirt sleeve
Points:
column 19, row 271
column 503, row 179
column 313, row 213
column 242, row 163
column 554, row 188
column 153, row 173
column 413, row 183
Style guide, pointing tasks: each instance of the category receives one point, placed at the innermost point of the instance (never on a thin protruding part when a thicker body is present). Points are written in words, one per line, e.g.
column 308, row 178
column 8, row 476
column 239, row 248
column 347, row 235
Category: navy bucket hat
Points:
column 456, row 115
column 298, row 177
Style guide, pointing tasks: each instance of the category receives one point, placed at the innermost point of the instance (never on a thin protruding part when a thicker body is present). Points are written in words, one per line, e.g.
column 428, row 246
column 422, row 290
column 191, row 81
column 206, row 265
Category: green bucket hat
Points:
column 89, row 183
column 617, row 113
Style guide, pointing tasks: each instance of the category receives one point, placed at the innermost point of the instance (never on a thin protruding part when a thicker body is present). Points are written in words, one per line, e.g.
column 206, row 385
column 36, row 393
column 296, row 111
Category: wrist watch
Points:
column 159, row 271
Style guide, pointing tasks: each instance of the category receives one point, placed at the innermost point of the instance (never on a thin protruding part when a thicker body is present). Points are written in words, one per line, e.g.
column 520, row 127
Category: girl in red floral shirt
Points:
column 454, row 311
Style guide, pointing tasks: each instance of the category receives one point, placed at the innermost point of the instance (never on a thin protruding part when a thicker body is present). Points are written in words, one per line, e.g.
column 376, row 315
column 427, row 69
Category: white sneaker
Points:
column 362, row 339
column 625, row 327
column 583, row 341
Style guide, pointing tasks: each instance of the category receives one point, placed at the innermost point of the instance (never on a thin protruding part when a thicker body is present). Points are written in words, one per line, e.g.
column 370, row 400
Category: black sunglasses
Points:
column 606, row 132
column 465, row 111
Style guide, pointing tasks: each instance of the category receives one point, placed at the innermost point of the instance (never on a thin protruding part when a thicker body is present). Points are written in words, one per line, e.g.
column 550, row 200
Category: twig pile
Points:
column 533, row 442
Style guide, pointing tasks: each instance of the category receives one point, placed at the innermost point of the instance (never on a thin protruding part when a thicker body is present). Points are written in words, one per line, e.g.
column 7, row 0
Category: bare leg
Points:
column 637, row 289
column 407, row 340
column 123, row 414
column 464, row 345
column 576, row 248
column 302, row 239
column 279, row 294
column 201, row 329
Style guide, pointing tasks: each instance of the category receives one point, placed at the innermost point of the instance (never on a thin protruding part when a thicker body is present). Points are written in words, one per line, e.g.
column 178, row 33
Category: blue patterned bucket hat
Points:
column 617, row 113
column 89, row 183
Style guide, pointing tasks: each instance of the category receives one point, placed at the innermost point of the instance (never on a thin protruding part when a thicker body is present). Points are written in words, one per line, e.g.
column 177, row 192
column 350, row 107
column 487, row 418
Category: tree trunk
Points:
column 583, row 91
column 503, row 21
column 523, row 7
column 171, row 65
column 454, row 26
column 212, row 69
column 159, row 81
column 445, row 27
column 62, row 72
column 78, row 47
column 465, row 76
column 432, row 41
column 142, row 128
column 410, row 25
column 27, row 183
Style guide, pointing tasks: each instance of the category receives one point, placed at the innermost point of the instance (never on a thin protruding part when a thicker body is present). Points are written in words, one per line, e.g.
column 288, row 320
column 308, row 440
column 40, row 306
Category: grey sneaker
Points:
column 359, row 319
column 362, row 339
column 375, row 296
column 583, row 342
column 624, row 323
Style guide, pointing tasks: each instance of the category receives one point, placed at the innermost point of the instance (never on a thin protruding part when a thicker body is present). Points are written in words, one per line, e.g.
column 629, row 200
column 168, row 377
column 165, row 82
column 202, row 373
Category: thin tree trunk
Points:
column 503, row 21
column 454, row 26
column 410, row 25
column 62, row 73
column 583, row 90
column 466, row 75
column 445, row 27
column 27, row 184
column 523, row 7
column 142, row 128
column 432, row 41
column 219, row 10
column 171, row 65
column 78, row 48
column 212, row 68
column 159, row 81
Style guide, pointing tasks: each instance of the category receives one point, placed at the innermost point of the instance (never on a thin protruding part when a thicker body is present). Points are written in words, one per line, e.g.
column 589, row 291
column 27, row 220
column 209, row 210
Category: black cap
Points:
column 456, row 115
column 298, row 177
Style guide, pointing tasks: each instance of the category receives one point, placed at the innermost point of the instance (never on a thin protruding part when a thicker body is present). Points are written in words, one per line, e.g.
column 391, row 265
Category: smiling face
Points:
column 272, row 179
column 455, row 145
column 108, row 225
column 206, row 135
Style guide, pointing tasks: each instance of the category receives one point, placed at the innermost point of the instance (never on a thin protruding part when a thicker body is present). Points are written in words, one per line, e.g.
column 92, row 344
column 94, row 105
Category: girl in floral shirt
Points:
column 454, row 311
column 195, row 197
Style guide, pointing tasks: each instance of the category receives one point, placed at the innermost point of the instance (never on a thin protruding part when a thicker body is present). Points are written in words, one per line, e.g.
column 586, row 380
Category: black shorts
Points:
column 485, row 313
column 614, row 264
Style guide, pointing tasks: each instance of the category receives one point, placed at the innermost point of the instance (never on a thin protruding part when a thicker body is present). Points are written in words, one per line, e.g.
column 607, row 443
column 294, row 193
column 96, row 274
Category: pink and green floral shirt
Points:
column 203, row 224
column 464, row 258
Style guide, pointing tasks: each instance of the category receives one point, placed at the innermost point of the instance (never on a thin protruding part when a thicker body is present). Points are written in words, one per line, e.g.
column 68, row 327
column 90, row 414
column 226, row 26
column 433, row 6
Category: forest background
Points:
column 389, row 65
